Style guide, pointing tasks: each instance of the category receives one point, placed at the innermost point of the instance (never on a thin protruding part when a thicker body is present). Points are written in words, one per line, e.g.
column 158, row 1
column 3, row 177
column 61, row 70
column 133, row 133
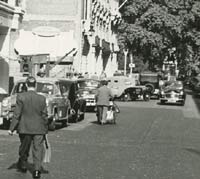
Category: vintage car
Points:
column 172, row 92
column 87, row 90
column 136, row 93
column 151, row 81
column 61, row 99
column 127, row 89
column 118, row 84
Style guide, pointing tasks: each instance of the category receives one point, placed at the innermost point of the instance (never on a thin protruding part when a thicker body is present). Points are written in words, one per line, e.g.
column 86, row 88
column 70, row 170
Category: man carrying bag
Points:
column 30, row 119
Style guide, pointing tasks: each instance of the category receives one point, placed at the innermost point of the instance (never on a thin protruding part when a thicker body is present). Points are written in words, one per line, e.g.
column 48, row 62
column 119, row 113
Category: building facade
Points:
column 77, row 34
column 99, row 41
column 10, row 18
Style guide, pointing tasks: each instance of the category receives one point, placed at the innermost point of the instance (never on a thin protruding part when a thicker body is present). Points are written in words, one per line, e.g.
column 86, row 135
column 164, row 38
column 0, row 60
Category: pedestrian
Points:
column 103, row 97
column 30, row 121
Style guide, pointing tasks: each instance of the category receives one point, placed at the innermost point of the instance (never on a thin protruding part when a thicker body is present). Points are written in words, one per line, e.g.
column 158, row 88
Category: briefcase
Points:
column 47, row 151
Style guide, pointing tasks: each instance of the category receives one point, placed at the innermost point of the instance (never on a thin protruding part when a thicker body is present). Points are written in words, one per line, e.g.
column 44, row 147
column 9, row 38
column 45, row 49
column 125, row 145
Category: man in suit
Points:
column 30, row 120
column 103, row 96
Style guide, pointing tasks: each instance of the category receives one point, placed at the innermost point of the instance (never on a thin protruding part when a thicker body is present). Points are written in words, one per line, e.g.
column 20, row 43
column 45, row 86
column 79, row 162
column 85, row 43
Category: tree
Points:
column 150, row 27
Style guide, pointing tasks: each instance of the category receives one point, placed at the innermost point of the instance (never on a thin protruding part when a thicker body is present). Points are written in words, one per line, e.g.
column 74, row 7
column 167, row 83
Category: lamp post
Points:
column 125, row 60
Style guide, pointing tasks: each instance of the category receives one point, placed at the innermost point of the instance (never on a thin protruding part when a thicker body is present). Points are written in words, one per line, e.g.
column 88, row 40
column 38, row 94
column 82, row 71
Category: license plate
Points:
column 172, row 100
column 90, row 104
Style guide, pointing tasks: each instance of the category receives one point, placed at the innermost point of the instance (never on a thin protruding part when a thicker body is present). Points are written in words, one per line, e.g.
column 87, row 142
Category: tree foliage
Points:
column 150, row 27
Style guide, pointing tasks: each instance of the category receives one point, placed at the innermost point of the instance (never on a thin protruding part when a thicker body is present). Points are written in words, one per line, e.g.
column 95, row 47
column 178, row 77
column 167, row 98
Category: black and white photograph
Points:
column 100, row 89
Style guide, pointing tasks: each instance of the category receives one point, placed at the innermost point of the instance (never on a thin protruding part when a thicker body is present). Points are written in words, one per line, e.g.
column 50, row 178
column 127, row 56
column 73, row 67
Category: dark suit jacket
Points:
column 103, row 96
column 30, row 114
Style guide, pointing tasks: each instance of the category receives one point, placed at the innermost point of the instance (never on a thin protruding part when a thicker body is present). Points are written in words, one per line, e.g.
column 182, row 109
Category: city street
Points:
column 149, row 141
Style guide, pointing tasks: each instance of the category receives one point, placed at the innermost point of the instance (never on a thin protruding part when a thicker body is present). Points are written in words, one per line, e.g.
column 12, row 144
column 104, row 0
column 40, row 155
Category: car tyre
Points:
column 52, row 125
column 150, row 87
column 127, row 97
column 162, row 102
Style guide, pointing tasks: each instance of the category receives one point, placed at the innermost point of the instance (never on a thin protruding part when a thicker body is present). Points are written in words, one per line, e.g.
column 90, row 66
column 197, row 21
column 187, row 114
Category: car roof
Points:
column 49, row 80
column 87, row 79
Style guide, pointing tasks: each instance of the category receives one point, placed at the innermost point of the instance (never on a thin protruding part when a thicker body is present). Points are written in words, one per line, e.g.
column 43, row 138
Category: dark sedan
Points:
column 172, row 92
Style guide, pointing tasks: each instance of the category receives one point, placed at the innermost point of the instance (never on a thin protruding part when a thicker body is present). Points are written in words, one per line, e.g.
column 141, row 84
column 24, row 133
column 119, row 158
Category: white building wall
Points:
column 90, row 63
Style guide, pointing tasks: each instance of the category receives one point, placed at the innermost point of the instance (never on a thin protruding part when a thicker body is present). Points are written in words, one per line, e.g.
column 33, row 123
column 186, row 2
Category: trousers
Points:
column 37, row 142
column 101, row 113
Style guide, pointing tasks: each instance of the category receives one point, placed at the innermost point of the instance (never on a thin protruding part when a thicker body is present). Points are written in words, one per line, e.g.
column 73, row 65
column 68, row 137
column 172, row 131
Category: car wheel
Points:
column 146, row 96
column 77, row 116
column 52, row 125
column 162, row 102
column 150, row 87
column 6, row 123
column 183, row 103
column 127, row 97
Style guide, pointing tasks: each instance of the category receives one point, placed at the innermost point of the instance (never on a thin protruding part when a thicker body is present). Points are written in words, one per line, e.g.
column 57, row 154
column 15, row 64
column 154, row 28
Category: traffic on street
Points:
column 149, row 140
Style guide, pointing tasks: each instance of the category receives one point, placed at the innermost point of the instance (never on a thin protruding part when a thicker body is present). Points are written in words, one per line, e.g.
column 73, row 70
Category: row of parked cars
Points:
column 66, row 99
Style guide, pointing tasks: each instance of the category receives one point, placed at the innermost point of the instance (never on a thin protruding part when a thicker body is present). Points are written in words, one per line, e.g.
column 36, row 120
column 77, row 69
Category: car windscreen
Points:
column 88, row 84
column 173, row 84
column 46, row 88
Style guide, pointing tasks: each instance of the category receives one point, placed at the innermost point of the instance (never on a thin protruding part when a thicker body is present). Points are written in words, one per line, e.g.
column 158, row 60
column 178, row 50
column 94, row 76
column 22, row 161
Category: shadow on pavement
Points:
column 196, row 98
column 195, row 151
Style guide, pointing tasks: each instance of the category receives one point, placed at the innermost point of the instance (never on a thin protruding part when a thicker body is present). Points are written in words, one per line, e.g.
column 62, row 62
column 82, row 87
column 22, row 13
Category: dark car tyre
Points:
column 52, row 125
column 146, row 96
column 162, row 102
column 150, row 87
column 127, row 97
column 6, row 123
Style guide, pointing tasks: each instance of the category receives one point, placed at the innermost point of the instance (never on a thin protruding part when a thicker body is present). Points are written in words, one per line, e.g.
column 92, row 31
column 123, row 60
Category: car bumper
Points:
column 172, row 100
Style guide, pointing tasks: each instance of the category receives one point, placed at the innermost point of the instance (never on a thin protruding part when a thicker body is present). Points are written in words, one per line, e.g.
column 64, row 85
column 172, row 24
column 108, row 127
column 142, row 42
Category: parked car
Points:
column 61, row 99
column 118, row 85
column 127, row 88
column 69, row 89
column 151, row 81
column 173, row 92
column 87, row 90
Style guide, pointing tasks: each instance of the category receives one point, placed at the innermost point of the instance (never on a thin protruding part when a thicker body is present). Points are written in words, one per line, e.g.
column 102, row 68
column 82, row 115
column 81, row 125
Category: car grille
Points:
column 172, row 95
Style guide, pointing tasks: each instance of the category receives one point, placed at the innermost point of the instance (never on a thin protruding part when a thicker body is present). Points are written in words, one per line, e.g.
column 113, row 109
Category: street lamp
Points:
column 125, row 60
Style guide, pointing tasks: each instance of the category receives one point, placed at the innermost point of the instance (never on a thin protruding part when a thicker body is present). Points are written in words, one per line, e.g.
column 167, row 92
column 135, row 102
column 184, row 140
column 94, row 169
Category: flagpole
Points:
column 122, row 4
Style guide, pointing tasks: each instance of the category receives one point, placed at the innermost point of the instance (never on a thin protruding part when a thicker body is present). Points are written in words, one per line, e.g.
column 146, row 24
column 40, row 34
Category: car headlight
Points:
column 162, row 92
column 181, row 92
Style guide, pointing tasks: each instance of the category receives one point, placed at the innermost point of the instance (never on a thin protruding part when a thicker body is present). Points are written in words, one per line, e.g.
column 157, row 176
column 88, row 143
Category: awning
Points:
column 58, row 45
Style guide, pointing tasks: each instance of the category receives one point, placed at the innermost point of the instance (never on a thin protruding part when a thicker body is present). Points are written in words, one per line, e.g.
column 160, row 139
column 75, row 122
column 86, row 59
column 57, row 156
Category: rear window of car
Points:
column 88, row 84
column 46, row 88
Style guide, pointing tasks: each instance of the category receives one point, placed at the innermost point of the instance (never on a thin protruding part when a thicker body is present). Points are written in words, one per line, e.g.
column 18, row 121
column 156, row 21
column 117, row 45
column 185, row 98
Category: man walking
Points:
column 30, row 120
column 102, row 101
